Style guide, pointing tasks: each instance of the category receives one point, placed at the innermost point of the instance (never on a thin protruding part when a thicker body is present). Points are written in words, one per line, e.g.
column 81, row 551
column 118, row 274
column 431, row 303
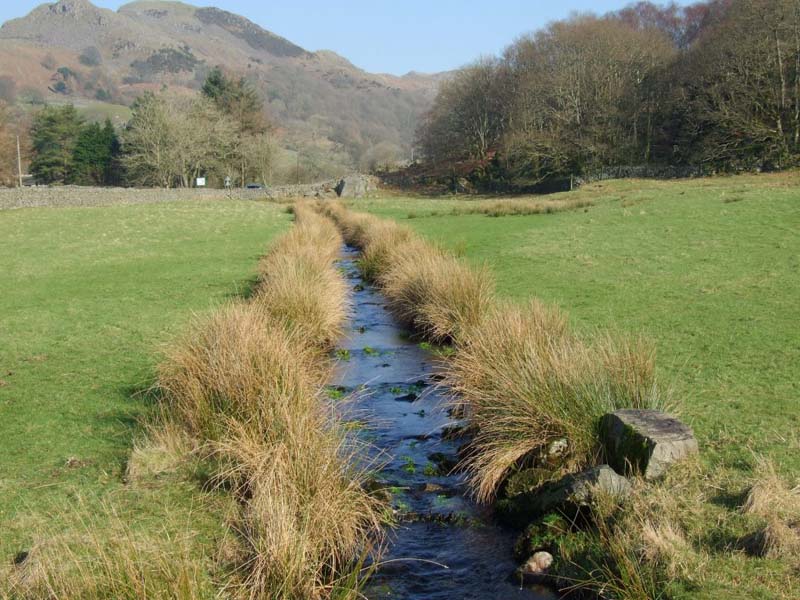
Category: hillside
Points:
column 73, row 51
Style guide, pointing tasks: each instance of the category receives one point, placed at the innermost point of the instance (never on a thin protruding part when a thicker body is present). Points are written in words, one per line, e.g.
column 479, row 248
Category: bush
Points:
column 91, row 57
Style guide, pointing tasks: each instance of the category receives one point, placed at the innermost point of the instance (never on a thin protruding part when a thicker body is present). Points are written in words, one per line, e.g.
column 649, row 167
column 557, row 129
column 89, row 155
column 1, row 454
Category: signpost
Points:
column 19, row 163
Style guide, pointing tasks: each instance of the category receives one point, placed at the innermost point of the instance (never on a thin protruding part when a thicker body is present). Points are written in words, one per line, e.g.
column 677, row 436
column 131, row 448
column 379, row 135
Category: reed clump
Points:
column 298, row 284
column 307, row 522
column 528, row 380
column 247, row 381
column 434, row 293
column 776, row 505
column 383, row 242
column 238, row 365
column 518, row 207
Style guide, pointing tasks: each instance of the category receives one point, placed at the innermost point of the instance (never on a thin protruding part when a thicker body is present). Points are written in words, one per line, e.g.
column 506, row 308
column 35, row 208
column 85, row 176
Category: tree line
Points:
column 221, row 134
column 713, row 85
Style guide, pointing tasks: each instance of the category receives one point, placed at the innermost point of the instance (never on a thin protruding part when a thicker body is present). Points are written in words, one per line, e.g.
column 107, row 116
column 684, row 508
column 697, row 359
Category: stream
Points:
column 445, row 546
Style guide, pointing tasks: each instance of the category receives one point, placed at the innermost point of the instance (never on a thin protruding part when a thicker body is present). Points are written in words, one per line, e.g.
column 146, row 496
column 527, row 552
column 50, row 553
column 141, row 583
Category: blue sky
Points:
column 391, row 36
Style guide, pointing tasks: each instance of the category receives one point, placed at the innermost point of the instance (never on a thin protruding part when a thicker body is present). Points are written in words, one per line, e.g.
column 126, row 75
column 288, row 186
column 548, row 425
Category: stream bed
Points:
column 445, row 547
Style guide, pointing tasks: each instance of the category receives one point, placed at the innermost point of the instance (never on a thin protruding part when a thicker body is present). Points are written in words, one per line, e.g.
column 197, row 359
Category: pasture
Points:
column 89, row 295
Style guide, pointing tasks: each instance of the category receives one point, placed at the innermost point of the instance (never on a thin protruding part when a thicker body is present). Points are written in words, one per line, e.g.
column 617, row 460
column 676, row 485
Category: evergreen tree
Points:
column 95, row 155
column 239, row 100
column 54, row 136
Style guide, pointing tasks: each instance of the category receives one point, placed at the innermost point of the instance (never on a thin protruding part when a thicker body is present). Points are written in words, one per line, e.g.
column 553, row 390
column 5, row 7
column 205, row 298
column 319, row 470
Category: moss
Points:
column 543, row 534
column 408, row 465
column 526, row 480
column 445, row 463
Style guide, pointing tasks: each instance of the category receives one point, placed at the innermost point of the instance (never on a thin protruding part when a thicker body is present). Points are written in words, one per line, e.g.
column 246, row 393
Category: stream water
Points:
column 445, row 547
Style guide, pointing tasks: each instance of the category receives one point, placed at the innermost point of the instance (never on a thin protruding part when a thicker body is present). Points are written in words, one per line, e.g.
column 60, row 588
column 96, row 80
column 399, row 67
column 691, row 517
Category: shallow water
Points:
column 445, row 546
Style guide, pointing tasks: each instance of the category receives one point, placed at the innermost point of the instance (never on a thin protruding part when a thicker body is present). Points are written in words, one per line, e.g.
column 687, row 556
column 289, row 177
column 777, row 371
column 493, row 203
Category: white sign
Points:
column 201, row 182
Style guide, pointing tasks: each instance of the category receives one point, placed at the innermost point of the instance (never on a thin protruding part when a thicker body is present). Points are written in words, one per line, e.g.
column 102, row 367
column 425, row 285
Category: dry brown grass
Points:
column 429, row 289
column 106, row 559
column 239, row 365
column 246, row 382
column 527, row 380
column 516, row 207
column 307, row 520
column 434, row 293
column 306, row 297
column 353, row 225
column 299, row 284
column 776, row 504
column 383, row 242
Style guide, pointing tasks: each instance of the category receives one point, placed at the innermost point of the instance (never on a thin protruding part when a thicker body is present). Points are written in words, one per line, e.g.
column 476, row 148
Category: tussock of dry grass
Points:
column 166, row 447
column 238, row 365
column 435, row 293
column 308, row 298
column 246, row 383
column 298, row 284
column 385, row 241
column 526, row 380
column 307, row 520
column 516, row 207
column 770, row 494
column 107, row 559
column 774, row 502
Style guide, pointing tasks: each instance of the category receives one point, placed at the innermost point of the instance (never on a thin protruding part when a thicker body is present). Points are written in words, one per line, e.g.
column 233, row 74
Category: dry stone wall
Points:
column 28, row 197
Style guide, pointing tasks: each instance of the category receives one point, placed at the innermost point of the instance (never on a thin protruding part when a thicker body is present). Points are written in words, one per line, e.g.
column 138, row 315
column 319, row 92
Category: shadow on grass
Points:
column 245, row 290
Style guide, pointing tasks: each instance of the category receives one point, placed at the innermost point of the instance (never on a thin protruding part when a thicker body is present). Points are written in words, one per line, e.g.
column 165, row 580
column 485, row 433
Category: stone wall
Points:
column 641, row 172
column 96, row 196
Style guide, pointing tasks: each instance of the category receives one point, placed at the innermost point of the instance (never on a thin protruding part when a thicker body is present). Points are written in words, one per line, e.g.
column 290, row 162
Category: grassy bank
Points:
column 246, row 386
column 89, row 296
column 707, row 270
column 267, row 493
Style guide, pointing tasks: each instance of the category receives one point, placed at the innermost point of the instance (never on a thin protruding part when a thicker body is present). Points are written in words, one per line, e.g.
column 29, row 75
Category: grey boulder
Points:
column 568, row 495
column 355, row 186
column 645, row 442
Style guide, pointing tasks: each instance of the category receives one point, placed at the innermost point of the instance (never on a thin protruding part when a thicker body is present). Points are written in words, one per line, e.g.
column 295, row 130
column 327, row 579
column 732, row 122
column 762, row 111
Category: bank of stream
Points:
column 445, row 546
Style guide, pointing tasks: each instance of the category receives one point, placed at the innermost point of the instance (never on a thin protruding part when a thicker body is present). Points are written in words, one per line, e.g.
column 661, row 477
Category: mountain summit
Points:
column 73, row 51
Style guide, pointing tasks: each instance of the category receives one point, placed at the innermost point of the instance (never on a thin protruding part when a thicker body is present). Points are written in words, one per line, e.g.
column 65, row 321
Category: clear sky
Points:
column 391, row 36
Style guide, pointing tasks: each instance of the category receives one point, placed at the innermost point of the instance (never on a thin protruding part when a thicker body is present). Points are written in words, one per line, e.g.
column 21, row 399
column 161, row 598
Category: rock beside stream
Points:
column 536, row 568
column 645, row 442
column 568, row 495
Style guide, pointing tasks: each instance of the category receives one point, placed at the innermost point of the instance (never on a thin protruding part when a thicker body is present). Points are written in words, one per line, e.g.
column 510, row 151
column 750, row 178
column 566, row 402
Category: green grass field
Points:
column 88, row 296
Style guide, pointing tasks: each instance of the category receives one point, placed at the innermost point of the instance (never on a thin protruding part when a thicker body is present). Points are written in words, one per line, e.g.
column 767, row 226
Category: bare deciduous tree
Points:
column 172, row 140
column 8, row 156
